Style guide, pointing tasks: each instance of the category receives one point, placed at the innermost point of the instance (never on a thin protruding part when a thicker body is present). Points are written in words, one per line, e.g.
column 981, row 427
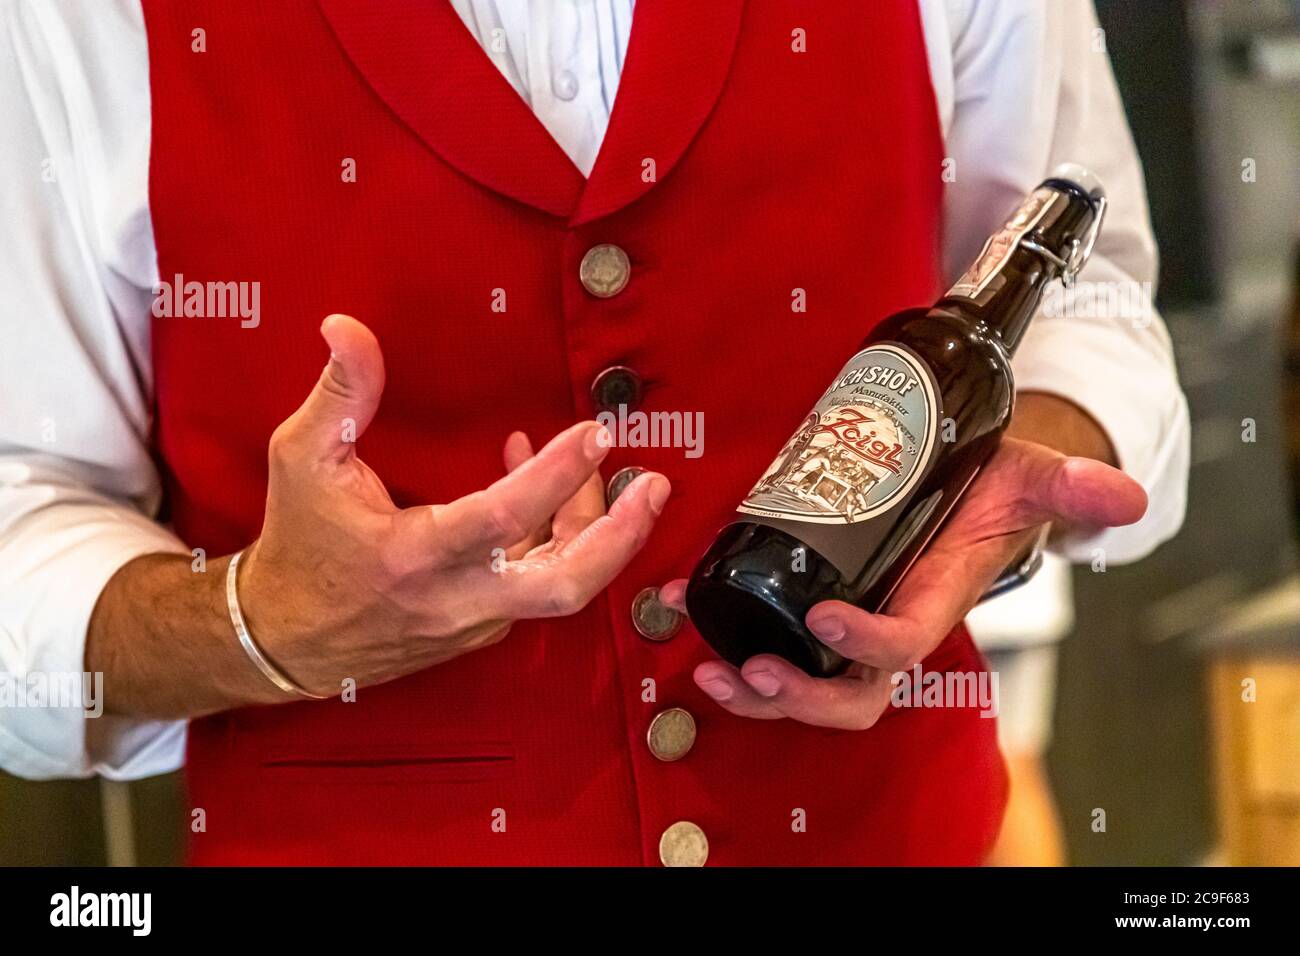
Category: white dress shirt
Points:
column 1020, row 86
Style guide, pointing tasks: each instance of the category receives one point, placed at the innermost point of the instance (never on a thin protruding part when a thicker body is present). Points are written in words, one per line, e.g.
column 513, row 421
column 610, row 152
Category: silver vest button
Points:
column 671, row 735
column 654, row 620
column 683, row 844
column 605, row 270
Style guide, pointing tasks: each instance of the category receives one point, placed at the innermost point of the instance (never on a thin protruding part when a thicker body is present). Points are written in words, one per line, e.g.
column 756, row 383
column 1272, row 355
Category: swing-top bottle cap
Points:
column 1082, row 178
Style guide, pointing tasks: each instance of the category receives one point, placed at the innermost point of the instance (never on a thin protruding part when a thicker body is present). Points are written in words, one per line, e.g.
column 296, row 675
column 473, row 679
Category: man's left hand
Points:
column 1023, row 486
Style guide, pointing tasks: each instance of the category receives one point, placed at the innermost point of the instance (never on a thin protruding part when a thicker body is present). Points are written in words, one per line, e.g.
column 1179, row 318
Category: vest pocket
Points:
column 451, row 764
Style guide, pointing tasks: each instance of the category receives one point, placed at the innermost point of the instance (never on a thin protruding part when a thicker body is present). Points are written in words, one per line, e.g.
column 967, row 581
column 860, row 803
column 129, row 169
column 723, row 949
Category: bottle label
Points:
column 997, row 250
column 861, row 449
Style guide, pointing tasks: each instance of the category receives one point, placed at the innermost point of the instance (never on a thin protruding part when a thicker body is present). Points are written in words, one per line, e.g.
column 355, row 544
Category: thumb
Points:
column 346, row 397
column 1083, row 493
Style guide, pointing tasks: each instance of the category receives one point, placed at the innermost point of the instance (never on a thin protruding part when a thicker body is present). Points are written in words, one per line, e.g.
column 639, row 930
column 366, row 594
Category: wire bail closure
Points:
column 1080, row 251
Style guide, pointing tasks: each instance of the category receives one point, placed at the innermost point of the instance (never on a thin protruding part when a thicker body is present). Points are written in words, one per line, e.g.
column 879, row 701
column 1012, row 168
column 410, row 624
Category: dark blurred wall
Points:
column 1151, row 48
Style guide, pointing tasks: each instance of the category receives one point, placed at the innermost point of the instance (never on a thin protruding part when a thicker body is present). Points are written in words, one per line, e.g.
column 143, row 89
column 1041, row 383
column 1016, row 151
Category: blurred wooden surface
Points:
column 1257, row 758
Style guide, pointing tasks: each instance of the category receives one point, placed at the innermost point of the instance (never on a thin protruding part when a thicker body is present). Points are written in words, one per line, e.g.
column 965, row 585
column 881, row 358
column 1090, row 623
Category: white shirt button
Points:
column 565, row 85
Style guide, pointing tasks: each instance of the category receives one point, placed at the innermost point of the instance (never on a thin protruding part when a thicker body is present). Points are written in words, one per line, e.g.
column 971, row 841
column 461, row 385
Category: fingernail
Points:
column 326, row 322
column 658, row 493
column 828, row 629
column 717, row 689
column 597, row 443
column 764, row 682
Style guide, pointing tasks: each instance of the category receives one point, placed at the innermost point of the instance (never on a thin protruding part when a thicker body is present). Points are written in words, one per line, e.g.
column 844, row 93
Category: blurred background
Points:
column 1139, row 702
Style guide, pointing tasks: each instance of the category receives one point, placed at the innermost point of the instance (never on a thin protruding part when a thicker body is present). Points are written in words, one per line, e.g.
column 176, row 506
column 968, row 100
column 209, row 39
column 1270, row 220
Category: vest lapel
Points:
column 678, row 59
column 419, row 58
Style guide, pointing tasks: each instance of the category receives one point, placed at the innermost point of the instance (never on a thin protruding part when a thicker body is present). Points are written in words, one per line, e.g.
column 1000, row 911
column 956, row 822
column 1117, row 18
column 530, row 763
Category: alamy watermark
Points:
column 1127, row 300
column 654, row 430
column 209, row 300
column 926, row 689
column 67, row 690
column 133, row 911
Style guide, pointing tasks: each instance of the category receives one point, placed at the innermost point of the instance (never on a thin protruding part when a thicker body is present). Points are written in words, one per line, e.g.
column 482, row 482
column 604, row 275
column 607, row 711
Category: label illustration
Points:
column 1002, row 243
column 861, row 449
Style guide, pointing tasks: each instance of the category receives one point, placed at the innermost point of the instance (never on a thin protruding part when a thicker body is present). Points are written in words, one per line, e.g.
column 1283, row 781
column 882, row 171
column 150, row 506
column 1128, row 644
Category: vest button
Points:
column 671, row 735
column 605, row 270
column 653, row 619
column 683, row 844
column 615, row 386
column 622, row 478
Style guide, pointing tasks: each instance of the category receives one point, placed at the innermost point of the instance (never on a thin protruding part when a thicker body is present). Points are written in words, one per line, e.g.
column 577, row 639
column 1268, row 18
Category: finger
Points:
column 1090, row 493
column 517, row 450
column 724, row 684
column 1052, row 487
column 673, row 594
column 949, row 577
column 562, row 582
column 510, row 509
column 940, row 587
column 580, row 510
column 891, row 642
column 344, row 400
column 849, row 702
column 574, row 515
column 1023, row 486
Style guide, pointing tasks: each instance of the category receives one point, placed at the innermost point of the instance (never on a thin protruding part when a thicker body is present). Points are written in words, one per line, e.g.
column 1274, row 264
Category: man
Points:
column 538, row 212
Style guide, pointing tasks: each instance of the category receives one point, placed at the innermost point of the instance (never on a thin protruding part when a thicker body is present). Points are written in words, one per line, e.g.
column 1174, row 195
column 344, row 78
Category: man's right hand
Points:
column 344, row 584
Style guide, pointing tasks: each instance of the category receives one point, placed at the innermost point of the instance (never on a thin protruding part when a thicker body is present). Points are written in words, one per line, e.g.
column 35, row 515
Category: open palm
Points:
column 1023, row 486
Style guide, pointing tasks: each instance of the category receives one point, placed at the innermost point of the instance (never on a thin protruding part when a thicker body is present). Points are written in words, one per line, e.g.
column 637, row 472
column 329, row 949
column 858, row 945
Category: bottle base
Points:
column 740, row 615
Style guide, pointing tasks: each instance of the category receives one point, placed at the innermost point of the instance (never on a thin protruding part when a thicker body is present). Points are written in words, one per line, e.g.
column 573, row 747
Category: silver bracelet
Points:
column 269, row 670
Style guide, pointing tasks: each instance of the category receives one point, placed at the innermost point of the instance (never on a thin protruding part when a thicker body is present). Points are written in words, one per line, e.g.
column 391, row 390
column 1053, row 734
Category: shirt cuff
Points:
column 58, row 565
column 1135, row 397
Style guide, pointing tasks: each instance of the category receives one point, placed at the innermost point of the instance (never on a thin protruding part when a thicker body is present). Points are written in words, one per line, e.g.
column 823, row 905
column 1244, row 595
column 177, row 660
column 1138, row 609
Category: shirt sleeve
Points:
column 78, row 487
column 1032, row 87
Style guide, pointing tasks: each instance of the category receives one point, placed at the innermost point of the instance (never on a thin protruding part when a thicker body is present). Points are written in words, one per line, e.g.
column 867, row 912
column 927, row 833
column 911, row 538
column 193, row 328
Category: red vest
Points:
column 774, row 170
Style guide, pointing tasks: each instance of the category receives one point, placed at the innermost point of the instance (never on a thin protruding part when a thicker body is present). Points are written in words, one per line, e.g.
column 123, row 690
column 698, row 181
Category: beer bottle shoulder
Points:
column 952, row 342
column 971, row 367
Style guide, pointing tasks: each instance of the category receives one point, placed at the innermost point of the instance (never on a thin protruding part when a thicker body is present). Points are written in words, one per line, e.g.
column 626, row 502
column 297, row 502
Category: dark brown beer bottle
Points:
column 880, row 461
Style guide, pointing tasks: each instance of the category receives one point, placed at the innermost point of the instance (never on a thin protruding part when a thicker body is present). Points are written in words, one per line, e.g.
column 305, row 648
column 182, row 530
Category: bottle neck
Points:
column 1045, row 239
